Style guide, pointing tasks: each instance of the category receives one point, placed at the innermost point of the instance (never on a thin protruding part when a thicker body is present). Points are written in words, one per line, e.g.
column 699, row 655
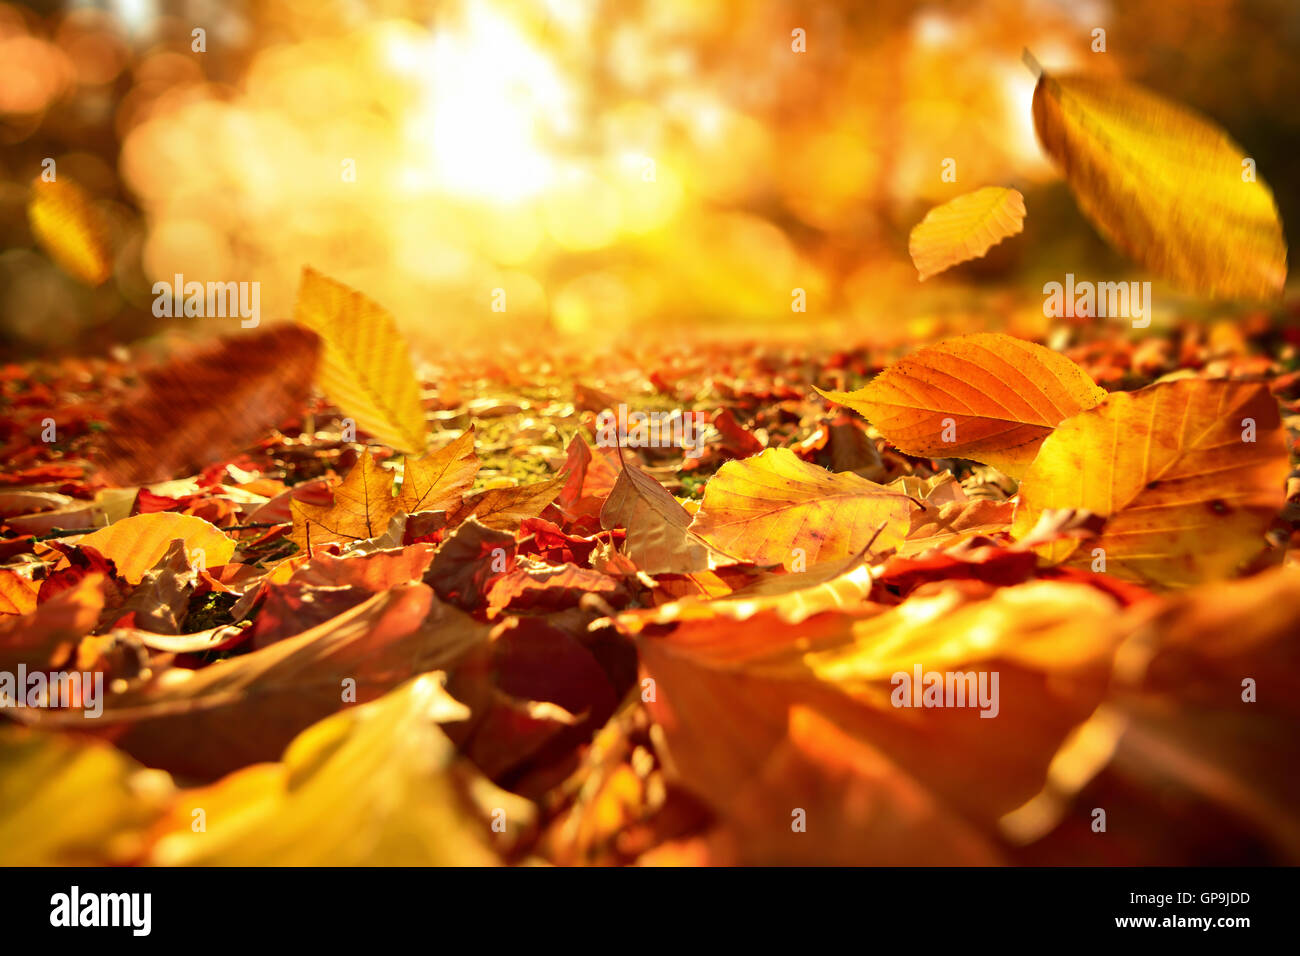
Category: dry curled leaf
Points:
column 505, row 508
column 659, row 538
column 436, row 481
column 362, row 507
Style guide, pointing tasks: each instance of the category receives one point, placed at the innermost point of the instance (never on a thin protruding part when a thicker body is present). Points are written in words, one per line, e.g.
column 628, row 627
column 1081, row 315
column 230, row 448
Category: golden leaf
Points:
column 71, row 230
column 988, row 397
column 362, row 507
column 365, row 366
column 1188, row 475
column 380, row 784
column 965, row 228
column 137, row 543
column 762, row 508
column 504, row 508
column 437, row 481
column 68, row 802
column 1164, row 185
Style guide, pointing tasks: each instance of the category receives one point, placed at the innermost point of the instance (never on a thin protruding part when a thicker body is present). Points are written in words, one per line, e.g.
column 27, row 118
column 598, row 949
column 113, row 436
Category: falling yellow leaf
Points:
column 365, row 366
column 775, row 508
column 1164, row 185
column 1188, row 474
column 437, row 481
column 362, row 507
column 965, row 228
column 988, row 397
column 137, row 543
column 71, row 230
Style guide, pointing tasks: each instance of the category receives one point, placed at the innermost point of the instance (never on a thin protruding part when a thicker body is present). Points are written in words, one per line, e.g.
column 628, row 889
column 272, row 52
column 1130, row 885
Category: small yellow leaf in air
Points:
column 965, row 228
column 71, row 230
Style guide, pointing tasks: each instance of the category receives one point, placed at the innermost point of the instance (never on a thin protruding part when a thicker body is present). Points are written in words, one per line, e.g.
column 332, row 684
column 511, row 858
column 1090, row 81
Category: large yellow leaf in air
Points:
column 137, row 543
column 762, row 509
column 1188, row 475
column 988, row 397
column 365, row 366
column 71, row 230
column 1164, row 185
column 965, row 228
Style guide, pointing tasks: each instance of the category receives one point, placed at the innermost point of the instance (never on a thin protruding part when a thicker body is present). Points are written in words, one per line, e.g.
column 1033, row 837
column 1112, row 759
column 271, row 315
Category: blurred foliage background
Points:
column 615, row 166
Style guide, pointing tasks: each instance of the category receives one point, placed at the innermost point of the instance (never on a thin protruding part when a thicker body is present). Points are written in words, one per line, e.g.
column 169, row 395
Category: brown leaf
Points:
column 211, row 405
column 207, row 722
column 505, row 508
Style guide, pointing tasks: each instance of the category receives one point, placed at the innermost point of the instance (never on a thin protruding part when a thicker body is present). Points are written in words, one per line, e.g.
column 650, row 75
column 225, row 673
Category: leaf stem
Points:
column 1030, row 61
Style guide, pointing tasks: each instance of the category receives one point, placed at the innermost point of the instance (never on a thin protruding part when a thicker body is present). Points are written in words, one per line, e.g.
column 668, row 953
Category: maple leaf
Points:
column 362, row 507
column 436, row 481
column 505, row 508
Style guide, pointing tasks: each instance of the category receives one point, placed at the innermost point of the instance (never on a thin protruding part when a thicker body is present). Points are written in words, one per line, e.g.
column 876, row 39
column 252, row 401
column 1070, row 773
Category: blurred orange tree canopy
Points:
column 583, row 166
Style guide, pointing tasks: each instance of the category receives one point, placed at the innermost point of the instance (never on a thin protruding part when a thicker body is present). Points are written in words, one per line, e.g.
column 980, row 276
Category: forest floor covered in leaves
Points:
column 519, row 643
